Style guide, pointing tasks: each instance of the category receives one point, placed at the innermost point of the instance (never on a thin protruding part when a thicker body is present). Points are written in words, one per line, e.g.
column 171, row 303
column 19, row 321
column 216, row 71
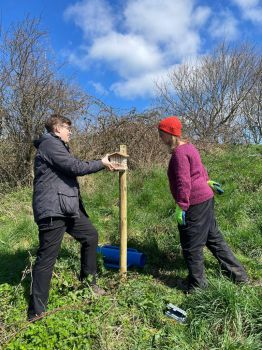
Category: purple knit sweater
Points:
column 188, row 177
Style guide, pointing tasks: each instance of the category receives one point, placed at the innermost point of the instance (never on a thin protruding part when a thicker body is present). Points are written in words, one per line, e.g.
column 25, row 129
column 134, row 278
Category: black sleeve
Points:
column 56, row 154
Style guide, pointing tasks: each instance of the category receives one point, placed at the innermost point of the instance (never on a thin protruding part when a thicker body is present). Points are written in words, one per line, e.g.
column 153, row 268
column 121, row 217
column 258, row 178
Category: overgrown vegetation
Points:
column 131, row 315
column 218, row 98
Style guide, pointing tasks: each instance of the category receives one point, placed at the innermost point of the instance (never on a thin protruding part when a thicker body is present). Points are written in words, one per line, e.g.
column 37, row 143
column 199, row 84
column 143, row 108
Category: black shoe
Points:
column 186, row 287
column 97, row 290
column 90, row 280
column 33, row 318
column 182, row 284
column 242, row 281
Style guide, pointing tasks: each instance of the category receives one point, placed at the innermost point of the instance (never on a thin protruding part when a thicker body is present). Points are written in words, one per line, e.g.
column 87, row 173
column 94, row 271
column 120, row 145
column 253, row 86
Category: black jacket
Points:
column 56, row 190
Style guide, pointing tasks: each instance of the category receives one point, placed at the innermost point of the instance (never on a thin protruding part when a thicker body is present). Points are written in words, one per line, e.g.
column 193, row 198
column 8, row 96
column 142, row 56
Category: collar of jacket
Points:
column 64, row 143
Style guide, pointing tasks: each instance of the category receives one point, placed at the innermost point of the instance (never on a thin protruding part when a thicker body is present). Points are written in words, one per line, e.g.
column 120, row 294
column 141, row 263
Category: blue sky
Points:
column 117, row 50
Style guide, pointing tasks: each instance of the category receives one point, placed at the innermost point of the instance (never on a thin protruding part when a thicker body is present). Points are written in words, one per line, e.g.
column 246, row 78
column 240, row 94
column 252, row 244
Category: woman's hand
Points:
column 216, row 187
column 106, row 162
column 180, row 216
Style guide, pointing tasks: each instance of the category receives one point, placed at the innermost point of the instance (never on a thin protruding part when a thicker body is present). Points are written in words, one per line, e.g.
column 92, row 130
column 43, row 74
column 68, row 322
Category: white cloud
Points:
column 201, row 15
column 255, row 15
column 247, row 3
column 166, row 22
column 127, row 54
column 187, row 47
column 99, row 88
column 251, row 10
column 93, row 17
column 224, row 26
column 78, row 57
column 158, row 21
column 143, row 41
column 141, row 86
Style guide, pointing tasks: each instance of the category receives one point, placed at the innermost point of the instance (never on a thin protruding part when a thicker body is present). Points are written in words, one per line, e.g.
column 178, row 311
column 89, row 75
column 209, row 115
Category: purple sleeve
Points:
column 182, row 180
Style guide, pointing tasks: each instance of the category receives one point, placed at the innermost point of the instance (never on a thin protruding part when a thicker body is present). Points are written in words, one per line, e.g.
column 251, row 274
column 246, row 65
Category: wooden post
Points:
column 123, row 218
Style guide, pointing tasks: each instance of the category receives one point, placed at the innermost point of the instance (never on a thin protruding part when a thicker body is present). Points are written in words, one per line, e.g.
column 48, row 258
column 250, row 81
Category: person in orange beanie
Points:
column 192, row 191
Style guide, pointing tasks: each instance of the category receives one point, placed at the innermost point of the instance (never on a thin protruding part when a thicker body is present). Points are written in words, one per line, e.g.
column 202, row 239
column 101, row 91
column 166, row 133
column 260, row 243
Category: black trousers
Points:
column 201, row 230
column 51, row 232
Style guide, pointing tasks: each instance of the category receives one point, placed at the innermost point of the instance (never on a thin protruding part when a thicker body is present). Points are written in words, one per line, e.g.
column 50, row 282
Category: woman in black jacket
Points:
column 58, row 208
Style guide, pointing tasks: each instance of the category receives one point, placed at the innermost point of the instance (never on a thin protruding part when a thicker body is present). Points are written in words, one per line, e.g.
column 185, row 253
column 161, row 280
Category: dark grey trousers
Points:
column 201, row 230
column 51, row 232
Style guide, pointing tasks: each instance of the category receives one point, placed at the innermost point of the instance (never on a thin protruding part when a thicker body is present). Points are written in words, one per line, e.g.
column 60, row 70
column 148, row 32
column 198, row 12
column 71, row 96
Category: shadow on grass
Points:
column 13, row 266
column 167, row 267
column 16, row 267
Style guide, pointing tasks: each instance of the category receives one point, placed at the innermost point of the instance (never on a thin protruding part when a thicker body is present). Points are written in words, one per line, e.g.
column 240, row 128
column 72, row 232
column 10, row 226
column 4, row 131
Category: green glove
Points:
column 180, row 216
column 215, row 186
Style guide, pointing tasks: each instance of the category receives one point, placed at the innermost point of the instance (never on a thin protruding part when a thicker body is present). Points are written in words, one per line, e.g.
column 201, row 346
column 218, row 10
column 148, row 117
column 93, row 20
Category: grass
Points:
column 131, row 315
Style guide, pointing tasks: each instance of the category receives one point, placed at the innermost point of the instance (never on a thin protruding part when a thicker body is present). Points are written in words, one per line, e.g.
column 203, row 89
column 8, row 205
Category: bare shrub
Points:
column 30, row 91
column 210, row 93
column 104, row 132
column 252, row 114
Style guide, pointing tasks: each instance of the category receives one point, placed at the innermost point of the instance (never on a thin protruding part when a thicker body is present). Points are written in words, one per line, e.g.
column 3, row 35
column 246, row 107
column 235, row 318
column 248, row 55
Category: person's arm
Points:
column 182, row 180
column 59, row 157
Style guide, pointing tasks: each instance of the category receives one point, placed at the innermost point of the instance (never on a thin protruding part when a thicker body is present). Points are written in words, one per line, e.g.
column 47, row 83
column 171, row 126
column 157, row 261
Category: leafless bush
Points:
column 30, row 91
column 252, row 114
column 136, row 130
column 211, row 93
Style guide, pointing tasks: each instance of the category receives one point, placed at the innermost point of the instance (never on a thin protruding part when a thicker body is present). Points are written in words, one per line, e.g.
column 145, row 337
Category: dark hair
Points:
column 56, row 119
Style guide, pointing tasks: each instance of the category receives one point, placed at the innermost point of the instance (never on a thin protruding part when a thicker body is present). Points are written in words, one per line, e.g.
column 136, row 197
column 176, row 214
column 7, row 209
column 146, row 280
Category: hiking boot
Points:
column 182, row 284
column 187, row 288
column 90, row 281
column 98, row 291
column 242, row 281
column 33, row 318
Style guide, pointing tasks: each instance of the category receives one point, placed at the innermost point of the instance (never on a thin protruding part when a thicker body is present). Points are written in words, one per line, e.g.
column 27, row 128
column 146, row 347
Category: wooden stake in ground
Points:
column 123, row 216
column 120, row 158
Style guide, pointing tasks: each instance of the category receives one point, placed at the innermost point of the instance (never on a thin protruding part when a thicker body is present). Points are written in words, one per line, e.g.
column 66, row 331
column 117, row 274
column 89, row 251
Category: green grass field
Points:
column 131, row 315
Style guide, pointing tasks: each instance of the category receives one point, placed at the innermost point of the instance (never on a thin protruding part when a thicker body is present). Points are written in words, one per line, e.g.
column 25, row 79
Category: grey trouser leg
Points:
column 200, row 230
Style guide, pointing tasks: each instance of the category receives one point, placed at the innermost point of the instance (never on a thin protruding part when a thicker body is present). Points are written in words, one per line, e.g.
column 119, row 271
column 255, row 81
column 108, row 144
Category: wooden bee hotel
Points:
column 120, row 159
